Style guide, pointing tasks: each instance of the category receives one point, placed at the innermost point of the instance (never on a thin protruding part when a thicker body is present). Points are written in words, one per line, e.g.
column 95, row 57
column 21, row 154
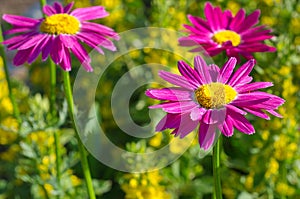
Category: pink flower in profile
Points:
column 221, row 31
column 58, row 34
column 212, row 98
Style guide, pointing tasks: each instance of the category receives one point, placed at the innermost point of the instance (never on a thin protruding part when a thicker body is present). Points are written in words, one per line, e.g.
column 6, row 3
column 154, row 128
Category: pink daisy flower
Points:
column 58, row 34
column 221, row 31
column 214, row 99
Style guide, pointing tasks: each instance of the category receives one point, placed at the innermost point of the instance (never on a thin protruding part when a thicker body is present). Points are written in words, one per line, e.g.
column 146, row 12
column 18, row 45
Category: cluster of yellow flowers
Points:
column 144, row 186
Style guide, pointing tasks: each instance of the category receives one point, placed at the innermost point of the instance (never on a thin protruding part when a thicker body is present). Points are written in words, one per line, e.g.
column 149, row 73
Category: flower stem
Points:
column 83, row 155
column 16, row 111
column 216, row 171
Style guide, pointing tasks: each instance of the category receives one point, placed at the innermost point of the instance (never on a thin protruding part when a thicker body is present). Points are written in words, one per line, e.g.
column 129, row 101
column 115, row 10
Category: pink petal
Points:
column 253, row 86
column 90, row 13
column 241, row 123
column 202, row 69
column 186, row 126
column 197, row 113
column 169, row 121
column 189, row 74
column 227, row 70
column 207, row 135
column 214, row 72
column 241, row 73
column 55, row 52
column 68, row 7
column 176, row 80
column 58, row 7
column 227, row 127
column 21, row 57
column 176, row 107
column 173, row 94
column 49, row 10
column 250, row 21
column 213, row 116
column 238, row 20
column 20, row 21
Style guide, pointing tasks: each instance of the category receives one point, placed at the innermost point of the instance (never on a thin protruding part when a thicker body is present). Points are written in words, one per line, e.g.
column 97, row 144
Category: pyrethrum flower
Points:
column 214, row 98
column 221, row 31
column 58, row 34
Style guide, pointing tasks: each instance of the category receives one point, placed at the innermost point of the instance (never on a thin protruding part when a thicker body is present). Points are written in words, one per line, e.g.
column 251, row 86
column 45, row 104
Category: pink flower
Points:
column 214, row 99
column 221, row 31
column 58, row 34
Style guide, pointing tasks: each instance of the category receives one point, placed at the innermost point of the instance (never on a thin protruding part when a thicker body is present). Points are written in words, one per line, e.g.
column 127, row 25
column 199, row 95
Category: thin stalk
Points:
column 83, row 155
column 216, row 171
column 16, row 111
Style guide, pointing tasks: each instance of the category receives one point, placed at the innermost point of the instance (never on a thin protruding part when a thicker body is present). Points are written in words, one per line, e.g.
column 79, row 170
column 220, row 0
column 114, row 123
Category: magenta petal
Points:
column 250, row 21
column 90, row 13
column 90, row 41
column 227, row 70
column 21, row 57
column 227, row 127
column 274, row 113
column 186, row 126
column 172, row 94
column 55, row 52
column 199, row 24
column 68, row 7
column 58, row 7
column 202, row 69
column 241, row 123
column 207, row 135
column 197, row 113
column 81, row 54
column 176, row 107
column 66, row 59
column 210, row 16
column 176, row 80
column 89, row 27
column 214, row 116
column 238, row 20
column 20, row 20
column 236, row 109
column 34, row 40
column 47, row 47
column 67, row 40
column 253, row 86
column 241, row 73
column 189, row 73
column 170, row 121
column 214, row 72
column 49, row 10
column 257, row 112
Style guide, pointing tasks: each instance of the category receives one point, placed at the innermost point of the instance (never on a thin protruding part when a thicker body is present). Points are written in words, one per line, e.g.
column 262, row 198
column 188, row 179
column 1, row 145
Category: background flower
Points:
column 59, row 33
column 221, row 31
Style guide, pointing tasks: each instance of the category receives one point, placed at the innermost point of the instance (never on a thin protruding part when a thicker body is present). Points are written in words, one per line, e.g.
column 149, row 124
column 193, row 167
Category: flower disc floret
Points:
column 225, row 36
column 60, row 24
column 215, row 95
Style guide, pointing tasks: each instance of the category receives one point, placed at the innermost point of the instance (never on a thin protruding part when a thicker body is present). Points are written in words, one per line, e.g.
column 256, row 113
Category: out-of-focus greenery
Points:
column 265, row 165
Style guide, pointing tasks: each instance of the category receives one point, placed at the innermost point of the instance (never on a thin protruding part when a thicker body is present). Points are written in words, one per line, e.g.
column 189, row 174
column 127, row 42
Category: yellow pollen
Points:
column 60, row 24
column 227, row 35
column 215, row 95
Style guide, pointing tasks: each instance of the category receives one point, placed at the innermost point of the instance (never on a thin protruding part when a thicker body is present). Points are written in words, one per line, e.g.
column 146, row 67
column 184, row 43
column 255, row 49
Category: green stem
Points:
column 216, row 170
column 16, row 111
column 83, row 155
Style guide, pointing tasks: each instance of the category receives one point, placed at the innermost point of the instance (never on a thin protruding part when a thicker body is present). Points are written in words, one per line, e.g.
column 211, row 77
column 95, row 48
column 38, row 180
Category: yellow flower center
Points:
column 60, row 24
column 215, row 95
column 227, row 35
